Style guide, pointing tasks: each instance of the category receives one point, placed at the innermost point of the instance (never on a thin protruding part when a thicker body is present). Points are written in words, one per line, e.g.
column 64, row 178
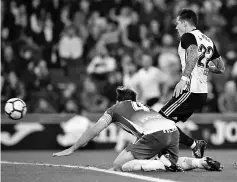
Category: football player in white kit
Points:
column 196, row 51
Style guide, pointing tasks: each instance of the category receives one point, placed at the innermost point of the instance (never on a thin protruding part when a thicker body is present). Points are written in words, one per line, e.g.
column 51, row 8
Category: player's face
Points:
column 180, row 26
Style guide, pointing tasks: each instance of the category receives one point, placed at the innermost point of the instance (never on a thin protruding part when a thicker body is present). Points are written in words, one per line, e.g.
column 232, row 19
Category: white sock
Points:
column 146, row 165
column 196, row 163
column 193, row 145
column 188, row 163
column 185, row 163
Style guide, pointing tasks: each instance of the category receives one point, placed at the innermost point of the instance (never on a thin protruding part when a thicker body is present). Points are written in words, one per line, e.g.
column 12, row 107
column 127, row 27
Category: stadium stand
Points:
column 59, row 55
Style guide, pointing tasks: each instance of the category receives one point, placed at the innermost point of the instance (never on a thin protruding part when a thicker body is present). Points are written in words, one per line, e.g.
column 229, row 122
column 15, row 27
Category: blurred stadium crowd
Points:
column 70, row 55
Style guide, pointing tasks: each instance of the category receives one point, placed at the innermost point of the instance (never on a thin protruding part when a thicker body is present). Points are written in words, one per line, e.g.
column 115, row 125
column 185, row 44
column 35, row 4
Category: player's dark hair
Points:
column 188, row 15
column 124, row 93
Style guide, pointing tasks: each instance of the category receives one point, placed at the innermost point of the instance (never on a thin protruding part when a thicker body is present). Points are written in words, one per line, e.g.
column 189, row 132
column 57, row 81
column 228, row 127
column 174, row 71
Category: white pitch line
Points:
column 125, row 174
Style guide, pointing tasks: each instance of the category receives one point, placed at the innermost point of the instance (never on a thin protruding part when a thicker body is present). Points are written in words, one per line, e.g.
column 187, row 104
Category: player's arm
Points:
column 88, row 135
column 189, row 43
column 218, row 67
column 216, row 59
column 91, row 133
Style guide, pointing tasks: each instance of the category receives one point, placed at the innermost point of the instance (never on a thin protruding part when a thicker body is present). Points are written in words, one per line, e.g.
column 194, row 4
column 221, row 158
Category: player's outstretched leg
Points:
column 151, row 165
column 206, row 163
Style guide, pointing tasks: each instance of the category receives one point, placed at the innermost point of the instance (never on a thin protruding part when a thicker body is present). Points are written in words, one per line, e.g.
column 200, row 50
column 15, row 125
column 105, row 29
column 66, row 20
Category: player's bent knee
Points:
column 123, row 158
column 117, row 167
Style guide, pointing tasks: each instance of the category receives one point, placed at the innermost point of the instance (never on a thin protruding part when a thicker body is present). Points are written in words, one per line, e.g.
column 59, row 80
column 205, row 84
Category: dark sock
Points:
column 185, row 139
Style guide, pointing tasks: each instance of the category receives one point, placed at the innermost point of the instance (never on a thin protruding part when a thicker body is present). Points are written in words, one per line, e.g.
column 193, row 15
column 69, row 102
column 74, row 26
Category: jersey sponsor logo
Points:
column 22, row 131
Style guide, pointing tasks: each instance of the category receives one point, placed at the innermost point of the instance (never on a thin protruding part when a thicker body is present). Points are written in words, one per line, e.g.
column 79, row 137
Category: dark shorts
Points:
column 152, row 101
column 160, row 142
column 182, row 107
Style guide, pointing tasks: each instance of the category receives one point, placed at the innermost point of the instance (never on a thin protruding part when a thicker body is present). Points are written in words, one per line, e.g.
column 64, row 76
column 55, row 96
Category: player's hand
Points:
column 180, row 87
column 66, row 152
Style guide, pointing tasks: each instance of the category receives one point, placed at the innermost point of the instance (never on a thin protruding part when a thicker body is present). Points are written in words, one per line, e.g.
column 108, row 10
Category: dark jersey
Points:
column 137, row 118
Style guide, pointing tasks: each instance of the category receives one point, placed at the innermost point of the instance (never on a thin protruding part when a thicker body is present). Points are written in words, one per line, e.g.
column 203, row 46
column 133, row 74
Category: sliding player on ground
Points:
column 155, row 134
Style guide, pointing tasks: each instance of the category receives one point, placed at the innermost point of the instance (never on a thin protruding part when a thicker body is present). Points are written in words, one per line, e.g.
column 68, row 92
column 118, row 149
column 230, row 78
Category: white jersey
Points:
column 206, row 49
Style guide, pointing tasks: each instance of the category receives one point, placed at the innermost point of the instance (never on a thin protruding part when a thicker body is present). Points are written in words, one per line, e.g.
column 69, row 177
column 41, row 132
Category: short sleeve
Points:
column 108, row 116
column 187, row 39
column 215, row 53
column 110, row 111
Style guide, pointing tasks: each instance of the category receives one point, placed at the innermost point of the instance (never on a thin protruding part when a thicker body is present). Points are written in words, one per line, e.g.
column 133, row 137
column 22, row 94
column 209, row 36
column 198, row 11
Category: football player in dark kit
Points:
column 155, row 134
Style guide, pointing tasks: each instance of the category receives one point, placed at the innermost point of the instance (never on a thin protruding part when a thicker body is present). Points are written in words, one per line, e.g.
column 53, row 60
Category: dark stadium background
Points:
column 48, row 51
column 37, row 67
